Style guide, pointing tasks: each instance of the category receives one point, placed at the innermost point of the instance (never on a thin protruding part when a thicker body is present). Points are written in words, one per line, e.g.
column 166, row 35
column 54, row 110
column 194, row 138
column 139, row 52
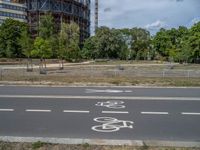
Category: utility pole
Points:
column 96, row 14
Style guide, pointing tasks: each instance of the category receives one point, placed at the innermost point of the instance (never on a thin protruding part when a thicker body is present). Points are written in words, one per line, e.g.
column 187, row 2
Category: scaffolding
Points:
column 96, row 15
column 66, row 11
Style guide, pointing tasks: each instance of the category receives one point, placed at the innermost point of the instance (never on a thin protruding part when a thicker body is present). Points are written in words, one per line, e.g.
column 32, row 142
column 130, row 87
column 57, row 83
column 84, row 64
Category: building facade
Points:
column 66, row 11
column 13, row 9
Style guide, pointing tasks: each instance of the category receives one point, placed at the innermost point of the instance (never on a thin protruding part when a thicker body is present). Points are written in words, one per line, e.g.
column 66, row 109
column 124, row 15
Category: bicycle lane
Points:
column 61, row 118
column 52, row 118
column 153, row 120
column 111, row 120
column 57, row 123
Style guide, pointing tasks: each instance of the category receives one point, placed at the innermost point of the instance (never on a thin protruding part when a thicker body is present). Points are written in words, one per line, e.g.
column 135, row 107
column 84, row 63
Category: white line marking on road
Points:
column 115, row 112
column 75, row 111
column 190, row 113
column 155, row 113
column 102, row 97
column 6, row 109
column 37, row 110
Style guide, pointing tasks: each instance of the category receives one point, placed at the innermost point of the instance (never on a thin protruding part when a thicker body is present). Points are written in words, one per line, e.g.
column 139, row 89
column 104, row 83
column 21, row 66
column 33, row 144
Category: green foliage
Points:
column 37, row 145
column 162, row 43
column 118, row 43
column 73, row 36
column 140, row 42
column 42, row 48
column 26, row 43
column 63, row 40
column 194, row 41
column 69, row 42
column 89, row 50
column 46, row 26
column 10, row 33
column 110, row 43
column 181, row 45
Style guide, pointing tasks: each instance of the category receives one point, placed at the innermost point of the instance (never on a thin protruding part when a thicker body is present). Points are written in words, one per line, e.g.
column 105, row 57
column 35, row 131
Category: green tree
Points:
column 42, row 49
column 73, row 49
column 26, row 43
column 194, row 41
column 10, row 32
column 46, row 26
column 63, row 43
column 47, row 31
column 162, row 43
column 126, row 37
column 109, row 43
column 44, row 44
column 140, row 44
column 89, row 50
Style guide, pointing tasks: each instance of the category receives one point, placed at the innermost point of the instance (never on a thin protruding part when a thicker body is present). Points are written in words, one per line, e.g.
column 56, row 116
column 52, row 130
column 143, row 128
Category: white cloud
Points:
column 152, row 14
column 195, row 20
column 156, row 25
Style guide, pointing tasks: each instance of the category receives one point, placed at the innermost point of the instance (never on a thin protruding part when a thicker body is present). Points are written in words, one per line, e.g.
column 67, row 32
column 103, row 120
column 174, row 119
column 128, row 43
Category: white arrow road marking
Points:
column 190, row 113
column 75, row 111
column 128, row 91
column 6, row 109
column 115, row 112
column 107, row 91
column 155, row 113
column 37, row 110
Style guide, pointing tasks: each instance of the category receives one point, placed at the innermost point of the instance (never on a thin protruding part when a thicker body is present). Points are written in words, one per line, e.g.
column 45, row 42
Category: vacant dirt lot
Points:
column 110, row 73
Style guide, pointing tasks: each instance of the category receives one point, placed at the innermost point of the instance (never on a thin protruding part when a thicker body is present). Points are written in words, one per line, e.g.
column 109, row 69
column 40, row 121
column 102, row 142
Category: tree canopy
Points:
column 177, row 44
column 10, row 33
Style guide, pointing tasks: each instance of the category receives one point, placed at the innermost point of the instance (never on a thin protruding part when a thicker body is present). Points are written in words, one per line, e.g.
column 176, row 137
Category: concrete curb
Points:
column 108, row 142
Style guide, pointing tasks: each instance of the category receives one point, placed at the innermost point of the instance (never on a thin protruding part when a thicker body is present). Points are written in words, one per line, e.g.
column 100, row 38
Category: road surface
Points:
column 117, row 113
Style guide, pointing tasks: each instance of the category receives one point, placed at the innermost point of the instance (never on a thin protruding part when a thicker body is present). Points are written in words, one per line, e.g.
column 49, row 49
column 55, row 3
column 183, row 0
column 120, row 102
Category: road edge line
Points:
column 101, row 97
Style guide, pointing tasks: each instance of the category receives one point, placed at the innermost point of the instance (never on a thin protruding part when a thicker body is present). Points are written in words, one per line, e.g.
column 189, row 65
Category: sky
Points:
column 149, row 14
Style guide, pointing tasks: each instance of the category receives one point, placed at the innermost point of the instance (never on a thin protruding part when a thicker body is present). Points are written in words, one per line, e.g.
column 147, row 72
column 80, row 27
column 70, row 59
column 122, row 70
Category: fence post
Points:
column 1, row 74
column 163, row 73
column 188, row 74
column 115, row 72
column 91, row 71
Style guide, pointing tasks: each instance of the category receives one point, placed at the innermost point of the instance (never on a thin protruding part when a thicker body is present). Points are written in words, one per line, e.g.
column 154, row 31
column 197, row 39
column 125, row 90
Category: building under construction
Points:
column 66, row 11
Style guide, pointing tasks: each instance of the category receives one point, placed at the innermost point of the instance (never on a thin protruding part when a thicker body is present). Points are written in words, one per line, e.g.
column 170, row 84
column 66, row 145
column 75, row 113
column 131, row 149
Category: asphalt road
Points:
column 169, row 114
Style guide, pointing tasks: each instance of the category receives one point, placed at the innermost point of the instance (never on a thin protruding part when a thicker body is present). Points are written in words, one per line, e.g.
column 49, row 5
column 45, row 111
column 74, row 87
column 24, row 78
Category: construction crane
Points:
column 96, row 15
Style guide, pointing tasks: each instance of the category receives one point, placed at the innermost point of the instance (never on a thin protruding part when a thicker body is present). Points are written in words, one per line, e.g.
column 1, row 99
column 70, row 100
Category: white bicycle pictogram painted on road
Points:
column 111, row 124
column 112, row 104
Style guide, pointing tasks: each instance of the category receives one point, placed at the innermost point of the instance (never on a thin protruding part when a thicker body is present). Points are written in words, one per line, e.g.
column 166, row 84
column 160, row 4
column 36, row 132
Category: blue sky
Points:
column 149, row 14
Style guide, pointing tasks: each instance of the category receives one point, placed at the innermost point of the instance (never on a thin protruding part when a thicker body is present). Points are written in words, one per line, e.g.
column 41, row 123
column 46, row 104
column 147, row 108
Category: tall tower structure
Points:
column 67, row 11
column 96, row 14
column 15, row 9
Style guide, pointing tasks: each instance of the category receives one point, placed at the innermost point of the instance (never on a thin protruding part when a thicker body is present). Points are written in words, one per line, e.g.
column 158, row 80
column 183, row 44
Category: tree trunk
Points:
column 62, row 64
column 45, row 65
column 31, row 64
